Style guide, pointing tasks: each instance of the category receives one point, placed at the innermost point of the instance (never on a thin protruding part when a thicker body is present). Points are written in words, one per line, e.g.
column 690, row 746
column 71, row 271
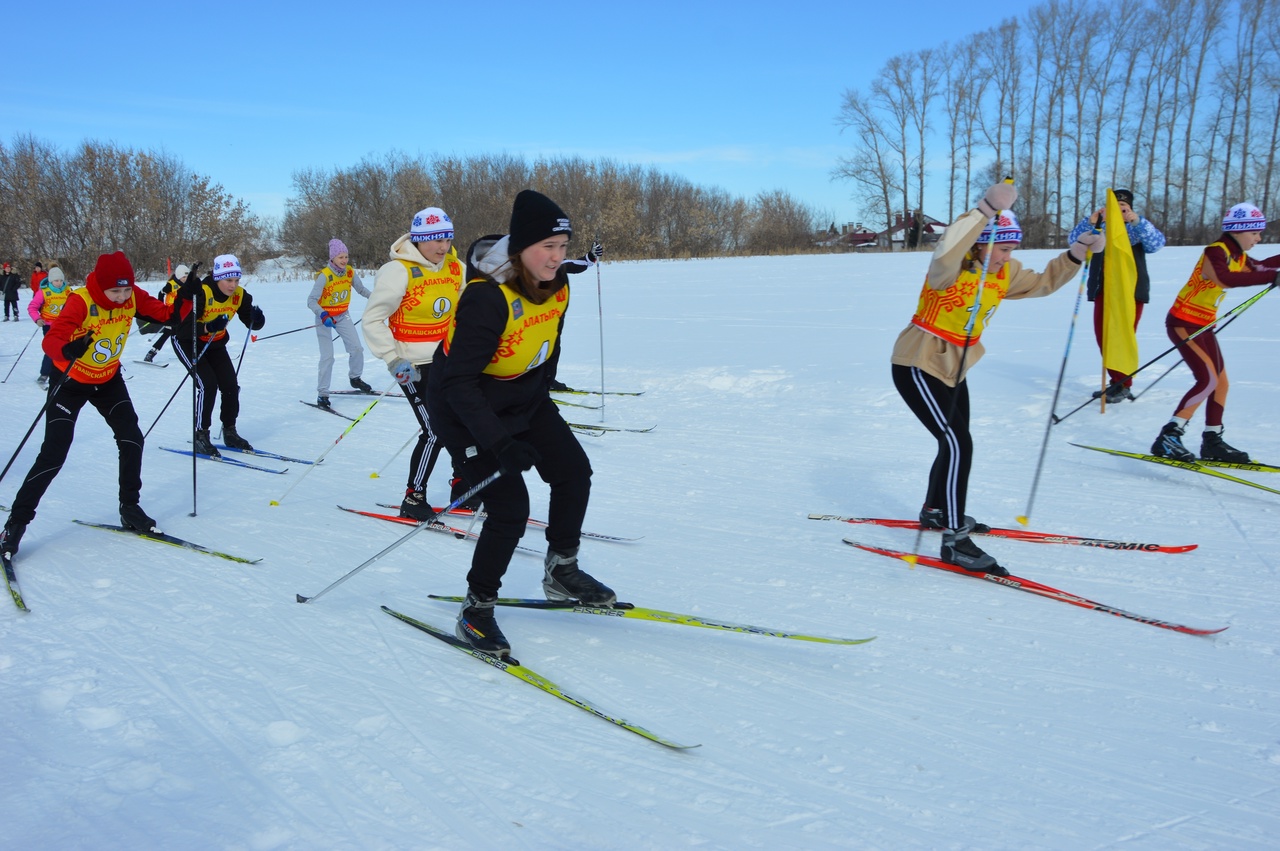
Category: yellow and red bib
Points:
column 110, row 329
column 1198, row 300
column 944, row 313
column 53, row 301
column 530, row 336
column 336, row 295
column 426, row 311
column 213, row 310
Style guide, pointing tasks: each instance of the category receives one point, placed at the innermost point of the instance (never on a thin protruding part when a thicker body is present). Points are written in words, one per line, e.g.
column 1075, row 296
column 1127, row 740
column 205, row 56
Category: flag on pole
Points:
column 1120, row 279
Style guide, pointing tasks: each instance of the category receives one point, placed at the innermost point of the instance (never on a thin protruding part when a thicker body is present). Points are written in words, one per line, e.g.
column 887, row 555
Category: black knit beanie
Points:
column 534, row 217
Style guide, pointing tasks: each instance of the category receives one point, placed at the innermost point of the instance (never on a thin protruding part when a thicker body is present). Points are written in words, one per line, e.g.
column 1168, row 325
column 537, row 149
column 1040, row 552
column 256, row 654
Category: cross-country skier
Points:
column 414, row 296
column 1223, row 265
column 330, row 301
column 490, row 404
column 214, row 301
column 928, row 355
column 85, row 341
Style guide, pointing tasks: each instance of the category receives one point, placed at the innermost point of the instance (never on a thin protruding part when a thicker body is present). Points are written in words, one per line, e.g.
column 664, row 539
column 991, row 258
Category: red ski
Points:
column 1024, row 535
column 434, row 527
column 1030, row 587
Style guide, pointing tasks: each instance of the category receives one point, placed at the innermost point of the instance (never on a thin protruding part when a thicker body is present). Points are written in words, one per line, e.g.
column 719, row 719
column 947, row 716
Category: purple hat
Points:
column 336, row 247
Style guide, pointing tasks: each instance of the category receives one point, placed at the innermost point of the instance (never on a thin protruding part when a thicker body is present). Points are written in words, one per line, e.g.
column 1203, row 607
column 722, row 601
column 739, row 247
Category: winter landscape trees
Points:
column 1178, row 100
column 70, row 206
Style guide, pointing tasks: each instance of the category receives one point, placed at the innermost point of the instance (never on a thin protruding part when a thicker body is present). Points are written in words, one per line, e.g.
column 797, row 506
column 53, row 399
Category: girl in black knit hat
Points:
column 489, row 402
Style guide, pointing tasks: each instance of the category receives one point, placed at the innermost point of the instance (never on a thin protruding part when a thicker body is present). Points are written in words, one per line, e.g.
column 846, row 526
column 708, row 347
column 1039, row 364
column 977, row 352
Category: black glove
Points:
column 259, row 319
column 192, row 285
column 76, row 348
column 216, row 325
column 596, row 252
column 515, row 456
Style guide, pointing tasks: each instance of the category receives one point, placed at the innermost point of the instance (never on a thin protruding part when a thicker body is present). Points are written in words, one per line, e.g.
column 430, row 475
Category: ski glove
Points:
column 515, row 456
column 596, row 252
column 404, row 371
column 1094, row 242
column 259, row 319
column 998, row 197
column 76, row 348
column 326, row 319
column 216, row 325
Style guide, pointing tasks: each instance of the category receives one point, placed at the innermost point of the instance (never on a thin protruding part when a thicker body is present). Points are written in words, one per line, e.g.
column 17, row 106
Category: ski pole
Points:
column 1062, row 372
column 55, row 384
column 20, row 354
column 968, row 337
column 345, row 431
column 242, row 351
column 600, row 313
column 190, row 370
column 397, row 455
column 1225, row 320
column 415, row 530
column 255, row 338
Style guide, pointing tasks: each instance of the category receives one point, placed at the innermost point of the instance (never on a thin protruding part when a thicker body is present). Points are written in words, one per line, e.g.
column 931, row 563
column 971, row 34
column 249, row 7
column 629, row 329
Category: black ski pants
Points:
column 944, row 411
column 214, row 373
column 563, row 466
column 65, row 400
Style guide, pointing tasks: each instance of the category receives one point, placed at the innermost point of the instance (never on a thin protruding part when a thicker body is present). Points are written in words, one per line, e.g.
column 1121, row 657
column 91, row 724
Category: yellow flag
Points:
column 1119, row 279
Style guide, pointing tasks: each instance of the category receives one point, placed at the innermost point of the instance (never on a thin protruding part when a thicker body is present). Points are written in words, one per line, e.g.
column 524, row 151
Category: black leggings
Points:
column 65, row 400
column 944, row 411
column 214, row 372
column 563, row 465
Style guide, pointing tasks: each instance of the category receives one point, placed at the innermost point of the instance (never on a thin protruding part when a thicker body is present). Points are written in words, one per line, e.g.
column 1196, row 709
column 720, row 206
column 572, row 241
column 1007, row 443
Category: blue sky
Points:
column 742, row 96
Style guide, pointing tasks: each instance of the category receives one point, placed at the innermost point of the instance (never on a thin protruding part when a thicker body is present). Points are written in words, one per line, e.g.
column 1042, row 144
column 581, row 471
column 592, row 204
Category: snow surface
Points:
column 158, row 698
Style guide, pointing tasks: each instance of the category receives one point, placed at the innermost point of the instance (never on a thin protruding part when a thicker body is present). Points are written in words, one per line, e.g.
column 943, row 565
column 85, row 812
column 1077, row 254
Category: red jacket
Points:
column 36, row 277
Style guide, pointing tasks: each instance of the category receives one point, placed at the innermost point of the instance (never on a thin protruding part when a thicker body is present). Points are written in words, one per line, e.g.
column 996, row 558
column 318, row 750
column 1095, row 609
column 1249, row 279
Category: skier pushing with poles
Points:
column 1223, row 264
column 490, row 404
column 212, row 302
column 972, row 270
column 85, row 341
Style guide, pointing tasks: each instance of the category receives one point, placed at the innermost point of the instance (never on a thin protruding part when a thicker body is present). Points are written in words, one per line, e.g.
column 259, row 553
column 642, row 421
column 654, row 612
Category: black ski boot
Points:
column 564, row 582
column 202, row 445
column 1169, row 444
column 132, row 517
column 149, row 357
column 457, row 487
column 478, row 627
column 1214, row 448
column 11, row 536
column 361, row 385
column 323, row 402
column 957, row 549
column 416, row 507
column 931, row 518
column 233, row 439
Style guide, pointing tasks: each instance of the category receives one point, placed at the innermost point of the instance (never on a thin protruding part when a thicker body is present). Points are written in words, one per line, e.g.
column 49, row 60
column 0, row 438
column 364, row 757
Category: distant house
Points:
column 857, row 235
column 904, row 232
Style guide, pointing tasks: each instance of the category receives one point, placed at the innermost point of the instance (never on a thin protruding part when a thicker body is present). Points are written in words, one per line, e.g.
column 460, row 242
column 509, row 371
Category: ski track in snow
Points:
column 160, row 698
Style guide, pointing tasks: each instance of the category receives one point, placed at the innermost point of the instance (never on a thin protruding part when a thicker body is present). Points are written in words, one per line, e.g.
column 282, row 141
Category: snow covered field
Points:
column 158, row 698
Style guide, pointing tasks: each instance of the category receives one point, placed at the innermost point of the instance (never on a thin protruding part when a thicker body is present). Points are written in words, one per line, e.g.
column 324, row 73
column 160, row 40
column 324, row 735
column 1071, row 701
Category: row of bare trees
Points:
column 636, row 212
column 69, row 207
column 1177, row 100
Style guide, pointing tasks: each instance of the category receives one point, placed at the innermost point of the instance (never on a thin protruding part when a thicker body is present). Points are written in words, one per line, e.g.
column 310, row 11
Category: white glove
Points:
column 404, row 371
column 998, row 197
column 596, row 252
column 1087, row 242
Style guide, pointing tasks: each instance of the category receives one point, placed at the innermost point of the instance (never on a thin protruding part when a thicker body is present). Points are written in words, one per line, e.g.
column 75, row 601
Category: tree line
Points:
column 636, row 212
column 1177, row 100
column 67, row 207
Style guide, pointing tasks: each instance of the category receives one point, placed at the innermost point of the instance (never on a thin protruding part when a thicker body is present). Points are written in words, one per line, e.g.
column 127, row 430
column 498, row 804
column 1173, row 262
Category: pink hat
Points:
column 336, row 247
